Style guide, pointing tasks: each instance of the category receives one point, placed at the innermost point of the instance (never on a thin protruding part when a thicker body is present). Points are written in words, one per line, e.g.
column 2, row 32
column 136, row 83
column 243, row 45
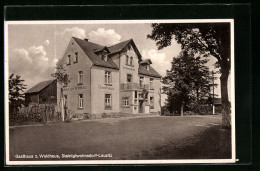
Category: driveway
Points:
column 117, row 138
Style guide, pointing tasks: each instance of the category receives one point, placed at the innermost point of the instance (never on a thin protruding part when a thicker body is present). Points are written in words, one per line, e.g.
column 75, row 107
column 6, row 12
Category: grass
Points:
column 210, row 144
column 126, row 138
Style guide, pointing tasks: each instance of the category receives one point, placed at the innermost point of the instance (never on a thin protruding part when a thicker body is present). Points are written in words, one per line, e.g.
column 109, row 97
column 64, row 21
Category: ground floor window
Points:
column 81, row 101
column 108, row 101
column 65, row 100
column 151, row 102
column 125, row 101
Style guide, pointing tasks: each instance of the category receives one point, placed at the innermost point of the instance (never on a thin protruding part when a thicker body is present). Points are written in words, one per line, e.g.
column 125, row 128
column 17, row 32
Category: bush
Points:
column 189, row 113
column 166, row 112
column 87, row 116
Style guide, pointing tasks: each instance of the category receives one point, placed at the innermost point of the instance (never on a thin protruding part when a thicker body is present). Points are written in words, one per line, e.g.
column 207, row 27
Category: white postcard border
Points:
column 95, row 162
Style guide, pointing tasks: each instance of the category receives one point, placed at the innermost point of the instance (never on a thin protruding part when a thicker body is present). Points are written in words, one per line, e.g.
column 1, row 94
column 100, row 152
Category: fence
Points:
column 40, row 113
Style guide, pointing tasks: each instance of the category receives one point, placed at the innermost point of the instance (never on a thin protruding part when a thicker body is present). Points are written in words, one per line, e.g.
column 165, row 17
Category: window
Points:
column 147, row 67
column 80, row 101
column 151, row 83
column 108, row 78
column 135, row 94
column 65, row 100
column 127, row 59
column 151, row 102
column 125, row 101
column 131, row 61
column 80, row 77
column 141, row 81
column 146, row 96
column 129, row 78
column 104, row 56
column 108, row 101
column 68, row 60
column 76, row 57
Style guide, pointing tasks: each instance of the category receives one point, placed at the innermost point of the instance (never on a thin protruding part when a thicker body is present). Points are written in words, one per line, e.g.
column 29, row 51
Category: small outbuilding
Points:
column 44, row 92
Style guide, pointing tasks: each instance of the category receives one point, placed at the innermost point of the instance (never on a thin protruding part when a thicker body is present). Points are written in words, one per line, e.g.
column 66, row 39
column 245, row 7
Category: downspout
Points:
column 119, row 57
column 90, row 89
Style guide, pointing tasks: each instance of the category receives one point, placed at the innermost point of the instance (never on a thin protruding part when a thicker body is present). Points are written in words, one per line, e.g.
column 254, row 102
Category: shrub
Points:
column 189, row 113
column 166, row 112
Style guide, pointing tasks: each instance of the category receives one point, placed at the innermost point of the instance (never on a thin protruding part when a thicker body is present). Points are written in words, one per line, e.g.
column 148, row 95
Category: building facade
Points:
column 109, row 79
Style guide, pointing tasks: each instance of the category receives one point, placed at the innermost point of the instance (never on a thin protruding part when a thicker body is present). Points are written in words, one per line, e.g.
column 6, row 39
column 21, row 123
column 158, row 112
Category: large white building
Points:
column 109, row 79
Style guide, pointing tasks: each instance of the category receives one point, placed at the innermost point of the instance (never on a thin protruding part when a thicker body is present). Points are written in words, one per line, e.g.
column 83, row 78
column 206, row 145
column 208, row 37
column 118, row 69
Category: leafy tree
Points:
column 61, row 75
column 16, row 93
column 187, row 83
column 209, row 39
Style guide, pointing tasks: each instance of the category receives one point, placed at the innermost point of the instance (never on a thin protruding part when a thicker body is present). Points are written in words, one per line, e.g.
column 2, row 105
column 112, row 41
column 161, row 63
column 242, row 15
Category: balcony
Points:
column 134, row 86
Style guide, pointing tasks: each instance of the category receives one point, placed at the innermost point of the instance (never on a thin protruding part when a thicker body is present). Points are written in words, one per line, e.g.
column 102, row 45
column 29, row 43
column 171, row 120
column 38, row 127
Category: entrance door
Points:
column 140, row 106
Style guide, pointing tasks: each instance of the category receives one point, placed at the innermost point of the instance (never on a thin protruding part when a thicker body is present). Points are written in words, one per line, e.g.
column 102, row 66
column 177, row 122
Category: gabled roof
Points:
column 151, row 72
column 120, row 46
column 40, row 86
column 101, row 49
column 146, row 61
column 90, row 48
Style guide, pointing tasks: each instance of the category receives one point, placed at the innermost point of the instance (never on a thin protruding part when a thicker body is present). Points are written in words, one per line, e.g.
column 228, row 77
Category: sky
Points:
column 34, row 49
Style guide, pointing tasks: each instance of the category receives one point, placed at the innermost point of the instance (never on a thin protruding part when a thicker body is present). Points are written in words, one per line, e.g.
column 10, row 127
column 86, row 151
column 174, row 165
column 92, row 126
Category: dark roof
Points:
column 40, row 86
column 101, row 49
column 120, row 46
column 90, row 48
column 217, row 101
column 150, row 72
column 146, row 61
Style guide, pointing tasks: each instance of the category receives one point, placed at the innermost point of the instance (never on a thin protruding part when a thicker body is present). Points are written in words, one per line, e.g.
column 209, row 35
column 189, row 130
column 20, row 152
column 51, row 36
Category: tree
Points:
column 209, row 39
column 16, row 93
column 187, row 83
column 62, row 76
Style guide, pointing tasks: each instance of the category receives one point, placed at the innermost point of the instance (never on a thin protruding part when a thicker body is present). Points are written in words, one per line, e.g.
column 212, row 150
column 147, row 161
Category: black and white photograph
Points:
column 119, row 92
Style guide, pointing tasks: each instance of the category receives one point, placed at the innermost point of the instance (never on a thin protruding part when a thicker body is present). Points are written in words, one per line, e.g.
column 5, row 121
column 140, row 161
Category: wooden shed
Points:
column 42, row 93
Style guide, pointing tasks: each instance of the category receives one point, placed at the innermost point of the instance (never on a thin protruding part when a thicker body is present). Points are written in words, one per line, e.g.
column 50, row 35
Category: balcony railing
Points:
column 134, row 86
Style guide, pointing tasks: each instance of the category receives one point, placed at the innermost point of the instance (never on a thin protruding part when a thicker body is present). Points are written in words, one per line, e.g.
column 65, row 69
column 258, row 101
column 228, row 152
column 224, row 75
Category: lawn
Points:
column 156, row 137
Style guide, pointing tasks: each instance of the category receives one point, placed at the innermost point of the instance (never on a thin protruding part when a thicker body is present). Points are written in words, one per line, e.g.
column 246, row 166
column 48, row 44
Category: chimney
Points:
column 86, row 39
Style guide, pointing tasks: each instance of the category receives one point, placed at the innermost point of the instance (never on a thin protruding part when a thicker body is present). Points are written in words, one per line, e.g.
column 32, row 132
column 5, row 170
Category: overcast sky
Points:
column 35, row 49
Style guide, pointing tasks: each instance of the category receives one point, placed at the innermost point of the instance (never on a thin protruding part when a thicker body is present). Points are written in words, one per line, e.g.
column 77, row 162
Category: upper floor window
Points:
column 131, row 61
column 80, row 77
column 141, row 81
column 68, row 60
column 151, row 83
column 127, row 60
column 108, row 77
column 76, row 57
column 129, row 78
column 136, row 94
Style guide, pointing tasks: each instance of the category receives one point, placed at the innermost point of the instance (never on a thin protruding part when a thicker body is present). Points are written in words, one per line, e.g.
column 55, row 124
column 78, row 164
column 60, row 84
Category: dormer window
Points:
column 104, row 56
column 147, row 67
